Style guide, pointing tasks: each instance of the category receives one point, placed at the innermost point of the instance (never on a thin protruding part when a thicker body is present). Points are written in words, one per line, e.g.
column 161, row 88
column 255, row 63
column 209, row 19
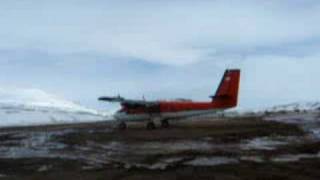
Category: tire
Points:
column 122, row 126
column 151, row 125
column 165, row 123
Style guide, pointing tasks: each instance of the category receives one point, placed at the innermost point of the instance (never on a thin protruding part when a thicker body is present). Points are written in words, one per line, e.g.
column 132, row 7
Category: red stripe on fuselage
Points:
column 169, row 106
column 184, row 106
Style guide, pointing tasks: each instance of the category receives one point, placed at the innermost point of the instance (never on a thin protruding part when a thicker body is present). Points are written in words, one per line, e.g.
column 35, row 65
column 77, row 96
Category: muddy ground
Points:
column 207, row 148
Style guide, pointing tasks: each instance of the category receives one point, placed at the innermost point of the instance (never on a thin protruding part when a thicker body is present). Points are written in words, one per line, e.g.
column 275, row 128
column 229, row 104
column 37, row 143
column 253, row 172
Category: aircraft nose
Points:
column 119, row 115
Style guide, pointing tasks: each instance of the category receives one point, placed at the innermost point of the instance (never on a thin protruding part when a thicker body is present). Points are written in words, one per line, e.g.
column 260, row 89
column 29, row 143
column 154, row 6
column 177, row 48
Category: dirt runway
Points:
column 223, row 148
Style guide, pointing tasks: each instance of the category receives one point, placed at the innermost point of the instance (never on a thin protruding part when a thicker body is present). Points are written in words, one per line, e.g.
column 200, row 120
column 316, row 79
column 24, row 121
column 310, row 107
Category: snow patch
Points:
column 30, row 145
column 211, row 161
column 256, row 159
column 297, row 106
column 295, row 118
column 264, row 143
column 295, row 157
column 309, row 121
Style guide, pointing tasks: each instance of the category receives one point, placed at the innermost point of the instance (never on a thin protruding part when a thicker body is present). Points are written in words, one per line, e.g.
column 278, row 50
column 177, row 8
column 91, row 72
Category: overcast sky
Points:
column 81, row 49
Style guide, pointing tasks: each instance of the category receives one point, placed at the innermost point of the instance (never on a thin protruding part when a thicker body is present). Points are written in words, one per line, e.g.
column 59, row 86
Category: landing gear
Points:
column 122, row 126
column 165, row 123
column 151, row 125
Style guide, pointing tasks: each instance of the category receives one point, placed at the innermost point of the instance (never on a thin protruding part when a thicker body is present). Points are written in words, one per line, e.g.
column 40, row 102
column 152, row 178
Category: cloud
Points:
column 272, row 79
column 167, row 32
column 266, row 79
column 162, row 49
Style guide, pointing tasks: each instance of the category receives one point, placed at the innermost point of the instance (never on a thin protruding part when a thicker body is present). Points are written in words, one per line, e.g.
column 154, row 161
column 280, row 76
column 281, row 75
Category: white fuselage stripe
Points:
column 168, row 115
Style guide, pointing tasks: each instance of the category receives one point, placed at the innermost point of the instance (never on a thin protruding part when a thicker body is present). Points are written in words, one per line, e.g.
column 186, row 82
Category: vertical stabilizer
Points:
column 227, row 92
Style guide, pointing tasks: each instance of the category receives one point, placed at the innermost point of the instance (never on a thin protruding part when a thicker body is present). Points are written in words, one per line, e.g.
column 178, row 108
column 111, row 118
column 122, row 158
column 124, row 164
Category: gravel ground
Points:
column 224, row 148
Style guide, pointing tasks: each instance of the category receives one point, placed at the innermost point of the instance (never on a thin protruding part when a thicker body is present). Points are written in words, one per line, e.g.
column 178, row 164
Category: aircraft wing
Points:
column 128, row 102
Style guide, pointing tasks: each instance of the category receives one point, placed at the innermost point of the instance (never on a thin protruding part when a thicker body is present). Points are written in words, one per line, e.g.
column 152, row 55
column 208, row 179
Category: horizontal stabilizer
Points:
column 111, row 99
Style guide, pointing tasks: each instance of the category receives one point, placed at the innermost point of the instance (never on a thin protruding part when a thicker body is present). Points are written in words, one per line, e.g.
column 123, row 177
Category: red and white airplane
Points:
column 140, row 110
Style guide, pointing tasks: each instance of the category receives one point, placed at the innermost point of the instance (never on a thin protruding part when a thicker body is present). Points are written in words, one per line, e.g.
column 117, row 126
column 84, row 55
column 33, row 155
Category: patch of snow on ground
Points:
column 295, row 118
column 309, row 121
column 29, row 145
column 211, row 161
column 257, row 159
column 159, row 147
column 264, row 143
column 294, row 157
column 162, row 164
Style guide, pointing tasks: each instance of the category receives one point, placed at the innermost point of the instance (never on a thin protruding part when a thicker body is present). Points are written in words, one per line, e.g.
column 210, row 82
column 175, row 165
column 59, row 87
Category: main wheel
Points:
column 151, row 125
column 165, row 123
column 122, row 126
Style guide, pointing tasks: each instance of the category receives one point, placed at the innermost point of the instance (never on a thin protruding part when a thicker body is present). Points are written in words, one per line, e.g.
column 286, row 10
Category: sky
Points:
column 82, row 49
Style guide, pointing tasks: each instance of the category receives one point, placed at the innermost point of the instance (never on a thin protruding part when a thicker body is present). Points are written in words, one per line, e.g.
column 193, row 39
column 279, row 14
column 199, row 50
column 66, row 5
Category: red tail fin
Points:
column 227, row 92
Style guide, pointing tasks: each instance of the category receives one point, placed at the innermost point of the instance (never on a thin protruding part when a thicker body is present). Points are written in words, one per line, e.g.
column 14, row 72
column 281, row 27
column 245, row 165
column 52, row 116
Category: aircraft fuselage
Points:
column 167, row 110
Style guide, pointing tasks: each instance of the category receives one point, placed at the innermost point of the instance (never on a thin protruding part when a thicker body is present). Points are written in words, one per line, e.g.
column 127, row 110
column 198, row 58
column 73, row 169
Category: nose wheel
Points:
column 151, row 125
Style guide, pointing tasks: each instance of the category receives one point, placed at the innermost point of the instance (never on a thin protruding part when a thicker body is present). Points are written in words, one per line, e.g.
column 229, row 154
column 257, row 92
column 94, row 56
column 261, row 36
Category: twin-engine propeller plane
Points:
column 140, row 110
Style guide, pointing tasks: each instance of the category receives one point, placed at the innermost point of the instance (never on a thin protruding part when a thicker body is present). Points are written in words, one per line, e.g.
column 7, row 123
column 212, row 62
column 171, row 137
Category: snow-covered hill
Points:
column 301, row 106
column 291, row 107
column 34, row 107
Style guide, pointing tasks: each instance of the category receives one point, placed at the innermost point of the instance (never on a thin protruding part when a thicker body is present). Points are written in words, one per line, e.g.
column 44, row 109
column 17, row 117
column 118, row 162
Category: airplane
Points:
column 226, row 97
